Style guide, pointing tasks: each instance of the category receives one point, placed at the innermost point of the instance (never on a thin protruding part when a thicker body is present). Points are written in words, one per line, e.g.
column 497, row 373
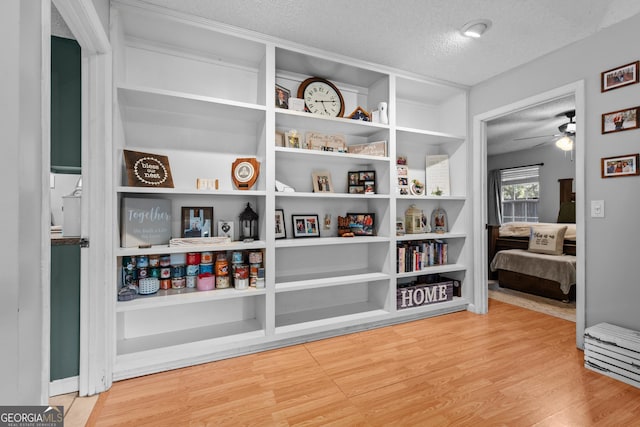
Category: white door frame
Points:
column 480, row 190
column 95, row 340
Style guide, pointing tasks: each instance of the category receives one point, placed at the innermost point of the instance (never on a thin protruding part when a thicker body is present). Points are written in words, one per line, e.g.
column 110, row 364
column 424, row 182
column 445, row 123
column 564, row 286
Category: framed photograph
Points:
column 378, row 148
column 280, row 139
column 281, row 230
column 362, row 182
column 613, row 167
column 305, row 226
column 196, row 222
column 282, row 97
column 225, row 228
column 617, row 121
column 399, row 227
column 362, row 224
column 322, row 182
column 292, row 140
column 619, row 77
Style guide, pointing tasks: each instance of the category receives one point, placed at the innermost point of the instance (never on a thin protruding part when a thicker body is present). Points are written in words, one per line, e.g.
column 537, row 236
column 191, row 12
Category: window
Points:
column 520, row 194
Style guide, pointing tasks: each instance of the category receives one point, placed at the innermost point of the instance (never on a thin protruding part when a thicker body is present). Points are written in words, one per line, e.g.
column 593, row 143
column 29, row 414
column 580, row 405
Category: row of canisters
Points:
column 202, row 270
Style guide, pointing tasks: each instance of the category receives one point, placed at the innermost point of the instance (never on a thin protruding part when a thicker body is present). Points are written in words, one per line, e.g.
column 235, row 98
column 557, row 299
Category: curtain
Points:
column 494, row 188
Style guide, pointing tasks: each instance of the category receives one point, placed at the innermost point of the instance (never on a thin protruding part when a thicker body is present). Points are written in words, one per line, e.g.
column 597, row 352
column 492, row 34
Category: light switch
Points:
column 597, row 209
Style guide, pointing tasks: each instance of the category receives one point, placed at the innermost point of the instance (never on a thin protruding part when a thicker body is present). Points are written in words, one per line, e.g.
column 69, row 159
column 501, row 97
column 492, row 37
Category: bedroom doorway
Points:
column 528, row 124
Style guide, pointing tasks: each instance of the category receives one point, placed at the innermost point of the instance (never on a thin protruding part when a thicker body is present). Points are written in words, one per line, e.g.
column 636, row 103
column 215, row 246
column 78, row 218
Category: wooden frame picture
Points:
column 620, row 76
column 196, row 221
column 282, row 97
column 621, row 120
column 626, row 165
column 377, row 148
column 322, row 182
column 279, row 140
column 362, row 224
column 292, row 140
column 280, row 229
column 305, row 226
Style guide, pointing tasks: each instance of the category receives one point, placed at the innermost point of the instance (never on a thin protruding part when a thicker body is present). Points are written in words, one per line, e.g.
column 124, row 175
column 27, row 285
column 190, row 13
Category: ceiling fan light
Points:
column 565, row 143
column 571, row 127
column 475, row 29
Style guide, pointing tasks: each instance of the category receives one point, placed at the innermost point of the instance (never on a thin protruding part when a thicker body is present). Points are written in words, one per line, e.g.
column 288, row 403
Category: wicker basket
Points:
column 147, row 286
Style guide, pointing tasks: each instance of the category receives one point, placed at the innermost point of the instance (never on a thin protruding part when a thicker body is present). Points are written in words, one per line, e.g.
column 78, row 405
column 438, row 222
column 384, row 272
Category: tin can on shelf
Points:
column 193, row 269
column 142, row 273
column 237, row 257
column 191, row 281
column 142, row 261
column 222, row 271
column 255, row 257
column 129, row 263
column 193, row 258
column 206, row 257
column 206, row 268
column 165, row 272
column 154, row 272
column 241, row 276
column 165, row 283
column 165, row 260
column 178, row 282
column 260, row 278
column 178, row 270
column 154, row 261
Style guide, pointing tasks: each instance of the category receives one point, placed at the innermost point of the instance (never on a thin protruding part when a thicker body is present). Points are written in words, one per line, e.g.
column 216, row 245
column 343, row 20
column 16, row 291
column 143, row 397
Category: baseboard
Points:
column 64, row 386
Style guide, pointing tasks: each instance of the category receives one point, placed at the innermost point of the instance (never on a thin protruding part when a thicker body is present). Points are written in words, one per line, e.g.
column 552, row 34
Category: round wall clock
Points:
column 321, row 97
column 244, row 172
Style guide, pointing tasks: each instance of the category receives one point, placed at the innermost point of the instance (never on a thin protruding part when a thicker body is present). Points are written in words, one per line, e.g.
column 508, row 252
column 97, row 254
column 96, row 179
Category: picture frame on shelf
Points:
column 196, row 221
column 322, row 182
column 399, row 227
column 437, row 175
column 617, row 121
column 225, row 228
column 147, row 169
column 377, row 148
column 279, row 141
column 618, row 77
column 439, row 223
column 280, row 229
column 326, row 142
column 282, row 97
column 296, row 104
column 617, row 166
column 305, row 226
column 292, row 139
column 362, row 182
column 362, row 224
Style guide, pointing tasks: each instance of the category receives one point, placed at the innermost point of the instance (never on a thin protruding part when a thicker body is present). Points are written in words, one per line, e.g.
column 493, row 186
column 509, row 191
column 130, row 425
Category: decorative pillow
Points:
column 547, row 239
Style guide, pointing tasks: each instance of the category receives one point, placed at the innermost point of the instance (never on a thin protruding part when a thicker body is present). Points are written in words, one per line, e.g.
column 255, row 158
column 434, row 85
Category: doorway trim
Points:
column 481, row 269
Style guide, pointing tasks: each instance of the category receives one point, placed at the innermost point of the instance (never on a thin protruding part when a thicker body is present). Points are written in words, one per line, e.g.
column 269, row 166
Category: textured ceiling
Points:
column 421, row 36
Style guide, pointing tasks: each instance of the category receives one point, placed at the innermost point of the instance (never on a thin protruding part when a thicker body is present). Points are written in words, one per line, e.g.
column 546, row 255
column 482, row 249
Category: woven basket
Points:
column 147, row 286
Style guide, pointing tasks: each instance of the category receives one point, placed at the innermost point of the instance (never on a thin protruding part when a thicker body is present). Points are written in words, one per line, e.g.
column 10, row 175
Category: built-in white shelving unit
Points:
column 202, row 94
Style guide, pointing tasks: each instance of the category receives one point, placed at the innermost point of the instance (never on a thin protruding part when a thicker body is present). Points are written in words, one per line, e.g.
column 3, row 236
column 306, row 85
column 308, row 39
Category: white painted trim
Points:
column 82, row 19
column 480, row 190
column 63, row 386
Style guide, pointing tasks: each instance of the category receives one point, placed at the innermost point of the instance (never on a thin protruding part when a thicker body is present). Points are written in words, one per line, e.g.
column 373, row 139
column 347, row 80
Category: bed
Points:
column 517, row 263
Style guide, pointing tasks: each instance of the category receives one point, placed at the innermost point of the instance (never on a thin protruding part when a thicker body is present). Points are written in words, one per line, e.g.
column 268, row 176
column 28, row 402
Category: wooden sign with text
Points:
column 147, row 170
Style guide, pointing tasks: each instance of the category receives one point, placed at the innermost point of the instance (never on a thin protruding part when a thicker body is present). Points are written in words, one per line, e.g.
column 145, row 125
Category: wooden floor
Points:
column 512, row 367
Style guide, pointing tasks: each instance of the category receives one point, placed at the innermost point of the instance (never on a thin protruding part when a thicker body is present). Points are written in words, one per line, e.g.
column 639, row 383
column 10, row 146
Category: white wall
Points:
column 24, row 256
column 612, row 267
column 557, row 164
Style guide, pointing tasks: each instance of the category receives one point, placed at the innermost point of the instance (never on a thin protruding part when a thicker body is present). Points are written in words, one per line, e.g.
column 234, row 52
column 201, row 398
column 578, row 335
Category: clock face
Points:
column 244, row 171
column 322, row 97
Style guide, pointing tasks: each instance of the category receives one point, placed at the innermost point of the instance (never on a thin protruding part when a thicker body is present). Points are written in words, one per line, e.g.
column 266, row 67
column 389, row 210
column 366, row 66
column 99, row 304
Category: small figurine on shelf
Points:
column 344, row 228
column 437, row 192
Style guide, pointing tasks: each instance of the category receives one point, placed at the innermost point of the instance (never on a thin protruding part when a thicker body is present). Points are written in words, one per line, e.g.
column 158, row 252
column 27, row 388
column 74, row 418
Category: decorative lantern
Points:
column 249, row 224
column 414, row 220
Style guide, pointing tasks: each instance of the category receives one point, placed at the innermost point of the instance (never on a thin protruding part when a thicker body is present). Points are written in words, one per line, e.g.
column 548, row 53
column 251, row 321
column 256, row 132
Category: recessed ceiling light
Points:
column 475, row 28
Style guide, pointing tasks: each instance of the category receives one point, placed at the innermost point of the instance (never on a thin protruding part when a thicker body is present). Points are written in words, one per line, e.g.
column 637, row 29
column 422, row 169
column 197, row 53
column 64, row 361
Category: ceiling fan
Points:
column 567, row 130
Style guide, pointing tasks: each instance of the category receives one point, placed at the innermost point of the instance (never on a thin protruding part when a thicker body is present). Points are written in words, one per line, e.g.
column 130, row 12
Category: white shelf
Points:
column 286, row 153
column 221, row 333
column 321, row 317
column 407, row 134
column 178, row 191
column 431, row 198
column 321, row 280
column 434, row 269
column 328, row 241
column 166, row 249
column 319, row 196
column 430, row 236
column 289, row 119
column 168, row 297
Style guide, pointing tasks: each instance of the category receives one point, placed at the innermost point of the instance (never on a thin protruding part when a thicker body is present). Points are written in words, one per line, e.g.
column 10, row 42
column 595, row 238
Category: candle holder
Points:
column 249, row 224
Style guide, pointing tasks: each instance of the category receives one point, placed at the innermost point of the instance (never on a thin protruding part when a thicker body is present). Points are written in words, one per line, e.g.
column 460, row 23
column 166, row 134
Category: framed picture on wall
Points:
column 617, row 121
column 612, row 167
column 618, row 77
